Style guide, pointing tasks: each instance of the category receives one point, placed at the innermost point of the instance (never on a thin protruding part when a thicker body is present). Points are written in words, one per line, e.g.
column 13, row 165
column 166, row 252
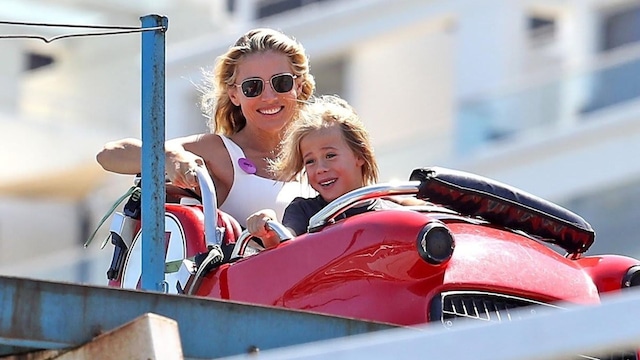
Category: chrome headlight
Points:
column 435, row 243
column 632, row 277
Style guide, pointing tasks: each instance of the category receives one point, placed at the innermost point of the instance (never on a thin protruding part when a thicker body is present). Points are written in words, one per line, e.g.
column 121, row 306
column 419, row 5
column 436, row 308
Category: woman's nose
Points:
column 268, row 92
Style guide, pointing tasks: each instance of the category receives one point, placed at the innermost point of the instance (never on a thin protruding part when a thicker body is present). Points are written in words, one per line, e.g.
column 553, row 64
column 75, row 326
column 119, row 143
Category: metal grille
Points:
column 485, row 306
column 456, row 305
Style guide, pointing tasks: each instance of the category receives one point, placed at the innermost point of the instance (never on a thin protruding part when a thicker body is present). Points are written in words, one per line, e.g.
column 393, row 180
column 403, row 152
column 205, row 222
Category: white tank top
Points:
column 250, row 193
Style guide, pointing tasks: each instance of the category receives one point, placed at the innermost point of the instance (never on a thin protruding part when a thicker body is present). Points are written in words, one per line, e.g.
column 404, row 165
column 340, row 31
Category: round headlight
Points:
column 435, row 243
column 632, row 277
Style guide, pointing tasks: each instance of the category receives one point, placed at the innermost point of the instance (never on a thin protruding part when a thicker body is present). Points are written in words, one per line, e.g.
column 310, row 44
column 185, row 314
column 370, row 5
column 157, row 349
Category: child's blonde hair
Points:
column 320, row 113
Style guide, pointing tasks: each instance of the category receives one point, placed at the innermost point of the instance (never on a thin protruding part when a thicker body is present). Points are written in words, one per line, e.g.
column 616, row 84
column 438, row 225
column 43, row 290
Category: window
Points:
column 621, row 82
column 266, row 8
column 541, row 29
column 272, row 7
column 621, row 27
column 35, row 61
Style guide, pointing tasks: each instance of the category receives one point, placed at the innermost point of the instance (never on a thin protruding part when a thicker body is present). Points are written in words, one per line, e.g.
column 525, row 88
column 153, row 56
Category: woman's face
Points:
column 331, row 166
column 269, row 111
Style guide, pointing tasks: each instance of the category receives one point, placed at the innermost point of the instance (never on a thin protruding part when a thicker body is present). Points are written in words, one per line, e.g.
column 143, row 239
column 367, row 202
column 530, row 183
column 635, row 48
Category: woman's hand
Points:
column 180, row 167
column 257, row 226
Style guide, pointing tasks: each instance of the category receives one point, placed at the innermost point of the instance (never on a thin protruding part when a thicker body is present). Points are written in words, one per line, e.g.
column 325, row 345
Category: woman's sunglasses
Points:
column 280, row 83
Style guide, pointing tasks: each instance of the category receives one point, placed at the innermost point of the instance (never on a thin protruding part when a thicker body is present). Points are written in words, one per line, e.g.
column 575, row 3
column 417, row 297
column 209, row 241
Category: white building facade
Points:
column 540, row 94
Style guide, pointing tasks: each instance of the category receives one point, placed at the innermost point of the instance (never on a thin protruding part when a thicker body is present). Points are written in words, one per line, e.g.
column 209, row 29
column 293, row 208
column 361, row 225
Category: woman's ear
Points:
column 299, row 88
column 233, row 95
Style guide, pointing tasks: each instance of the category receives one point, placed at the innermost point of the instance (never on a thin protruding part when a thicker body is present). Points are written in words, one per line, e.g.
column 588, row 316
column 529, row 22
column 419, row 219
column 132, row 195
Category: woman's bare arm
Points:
column 121, row 156
column 181, row 155
column 124, row 157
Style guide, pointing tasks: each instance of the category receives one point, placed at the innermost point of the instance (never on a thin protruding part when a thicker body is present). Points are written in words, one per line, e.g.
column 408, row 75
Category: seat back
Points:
column 232, row 231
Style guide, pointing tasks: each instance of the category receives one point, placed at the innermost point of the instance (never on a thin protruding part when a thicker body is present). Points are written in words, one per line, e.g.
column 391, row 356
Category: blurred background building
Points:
column 541, row 94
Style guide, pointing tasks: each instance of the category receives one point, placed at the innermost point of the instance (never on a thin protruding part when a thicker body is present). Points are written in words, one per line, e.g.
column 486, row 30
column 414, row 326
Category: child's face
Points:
column 332, row 168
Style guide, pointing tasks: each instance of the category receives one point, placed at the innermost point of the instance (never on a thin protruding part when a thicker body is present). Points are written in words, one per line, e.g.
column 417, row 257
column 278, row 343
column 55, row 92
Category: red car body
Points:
column 508, row 249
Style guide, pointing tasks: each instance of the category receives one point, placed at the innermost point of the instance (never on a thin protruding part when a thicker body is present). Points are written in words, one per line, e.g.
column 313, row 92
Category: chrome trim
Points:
column 352, row 198
column 424, row 240
column 212, row 235
column 242, row 243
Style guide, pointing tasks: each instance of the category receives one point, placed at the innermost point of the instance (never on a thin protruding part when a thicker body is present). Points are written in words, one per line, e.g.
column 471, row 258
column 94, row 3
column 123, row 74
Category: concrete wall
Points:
column 408, row 69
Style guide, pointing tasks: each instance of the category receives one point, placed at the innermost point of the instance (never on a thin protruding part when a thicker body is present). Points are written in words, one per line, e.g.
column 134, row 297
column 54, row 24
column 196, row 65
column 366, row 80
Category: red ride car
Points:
column 480, row 250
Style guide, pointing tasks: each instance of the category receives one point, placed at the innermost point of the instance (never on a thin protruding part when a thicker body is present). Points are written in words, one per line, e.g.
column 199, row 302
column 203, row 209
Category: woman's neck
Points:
column 257, row 141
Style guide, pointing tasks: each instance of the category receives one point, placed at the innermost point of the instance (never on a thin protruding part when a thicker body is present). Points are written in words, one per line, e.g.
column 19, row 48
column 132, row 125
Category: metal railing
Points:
column 560, row 101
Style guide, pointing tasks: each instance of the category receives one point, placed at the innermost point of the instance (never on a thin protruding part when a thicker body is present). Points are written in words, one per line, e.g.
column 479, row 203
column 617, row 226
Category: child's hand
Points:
column 257, row 226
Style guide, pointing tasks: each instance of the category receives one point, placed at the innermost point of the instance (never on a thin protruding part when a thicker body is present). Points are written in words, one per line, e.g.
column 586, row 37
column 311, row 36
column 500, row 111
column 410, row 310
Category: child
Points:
column 331, row 146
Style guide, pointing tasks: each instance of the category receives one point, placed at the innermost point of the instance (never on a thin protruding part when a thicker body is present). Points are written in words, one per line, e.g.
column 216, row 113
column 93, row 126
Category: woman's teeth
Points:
column 270, row 111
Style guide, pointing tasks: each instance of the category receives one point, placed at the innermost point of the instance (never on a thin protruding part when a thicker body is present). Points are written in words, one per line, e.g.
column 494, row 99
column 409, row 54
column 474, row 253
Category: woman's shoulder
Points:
column 204, row 145
column 212, row 150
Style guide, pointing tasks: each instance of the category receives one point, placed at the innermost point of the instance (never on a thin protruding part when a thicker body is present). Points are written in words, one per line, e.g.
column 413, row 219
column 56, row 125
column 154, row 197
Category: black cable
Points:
column 24, row 23
column 117, row 30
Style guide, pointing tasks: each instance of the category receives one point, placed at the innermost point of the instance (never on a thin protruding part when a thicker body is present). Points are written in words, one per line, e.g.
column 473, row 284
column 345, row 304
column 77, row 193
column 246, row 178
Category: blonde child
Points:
column 331, row 146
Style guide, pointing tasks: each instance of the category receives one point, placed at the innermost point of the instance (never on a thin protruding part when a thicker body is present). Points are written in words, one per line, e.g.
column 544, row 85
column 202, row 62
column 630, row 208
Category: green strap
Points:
column 174, row 266
column 170, row 266
column 108, row 214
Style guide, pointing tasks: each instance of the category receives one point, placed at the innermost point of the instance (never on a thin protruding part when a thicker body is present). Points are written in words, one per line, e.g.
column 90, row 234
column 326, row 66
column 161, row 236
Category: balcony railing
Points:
column 558, row 102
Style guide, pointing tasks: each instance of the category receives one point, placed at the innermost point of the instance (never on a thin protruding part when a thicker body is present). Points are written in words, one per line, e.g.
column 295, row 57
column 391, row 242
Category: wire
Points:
column 23, row 23
column 115, row 30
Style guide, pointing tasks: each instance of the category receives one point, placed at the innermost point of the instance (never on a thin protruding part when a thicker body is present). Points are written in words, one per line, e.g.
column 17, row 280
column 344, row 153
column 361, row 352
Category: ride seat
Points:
column 232, row 232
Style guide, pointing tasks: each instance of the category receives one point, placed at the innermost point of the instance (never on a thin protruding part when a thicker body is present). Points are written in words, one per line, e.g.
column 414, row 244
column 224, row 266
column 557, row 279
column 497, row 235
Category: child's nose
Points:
column 322, row 166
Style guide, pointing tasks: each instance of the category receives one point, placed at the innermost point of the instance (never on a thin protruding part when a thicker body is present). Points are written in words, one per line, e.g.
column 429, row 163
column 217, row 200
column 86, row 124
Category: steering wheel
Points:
column 338, row 206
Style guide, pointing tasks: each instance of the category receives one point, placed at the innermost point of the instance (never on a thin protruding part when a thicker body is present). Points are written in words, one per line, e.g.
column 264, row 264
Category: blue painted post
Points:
column 153, row 167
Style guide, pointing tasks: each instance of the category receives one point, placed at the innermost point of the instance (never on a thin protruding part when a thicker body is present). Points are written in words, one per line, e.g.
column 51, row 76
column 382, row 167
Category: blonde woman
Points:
column 254, row 92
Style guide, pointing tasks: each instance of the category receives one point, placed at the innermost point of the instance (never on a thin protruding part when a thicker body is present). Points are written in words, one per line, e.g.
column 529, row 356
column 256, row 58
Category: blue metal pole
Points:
column 153, row 166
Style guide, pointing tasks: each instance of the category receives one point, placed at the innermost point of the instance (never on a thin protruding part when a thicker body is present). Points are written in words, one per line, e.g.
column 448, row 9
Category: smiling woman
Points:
column 247, row 119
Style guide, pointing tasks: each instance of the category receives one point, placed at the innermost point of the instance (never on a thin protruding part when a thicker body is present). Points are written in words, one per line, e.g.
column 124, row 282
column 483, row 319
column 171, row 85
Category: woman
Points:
column 255, row 90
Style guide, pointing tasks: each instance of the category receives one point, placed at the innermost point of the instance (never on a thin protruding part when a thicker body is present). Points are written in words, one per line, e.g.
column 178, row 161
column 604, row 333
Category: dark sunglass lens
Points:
column 252, row 87
column 282, row 83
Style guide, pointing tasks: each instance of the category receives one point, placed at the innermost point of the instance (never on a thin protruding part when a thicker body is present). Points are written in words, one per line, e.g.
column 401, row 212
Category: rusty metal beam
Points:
column 36, row 314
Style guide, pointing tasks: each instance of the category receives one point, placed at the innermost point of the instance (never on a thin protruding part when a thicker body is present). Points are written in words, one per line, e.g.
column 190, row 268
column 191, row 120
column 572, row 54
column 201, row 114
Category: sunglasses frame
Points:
column 293, row 79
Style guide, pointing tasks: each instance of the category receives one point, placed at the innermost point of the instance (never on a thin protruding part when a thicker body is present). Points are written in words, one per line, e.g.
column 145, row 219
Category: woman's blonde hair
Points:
column 320, row 113
column 224, row 117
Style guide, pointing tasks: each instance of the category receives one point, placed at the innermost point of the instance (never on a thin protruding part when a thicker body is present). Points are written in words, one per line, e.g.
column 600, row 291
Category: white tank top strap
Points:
column 235, row 152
